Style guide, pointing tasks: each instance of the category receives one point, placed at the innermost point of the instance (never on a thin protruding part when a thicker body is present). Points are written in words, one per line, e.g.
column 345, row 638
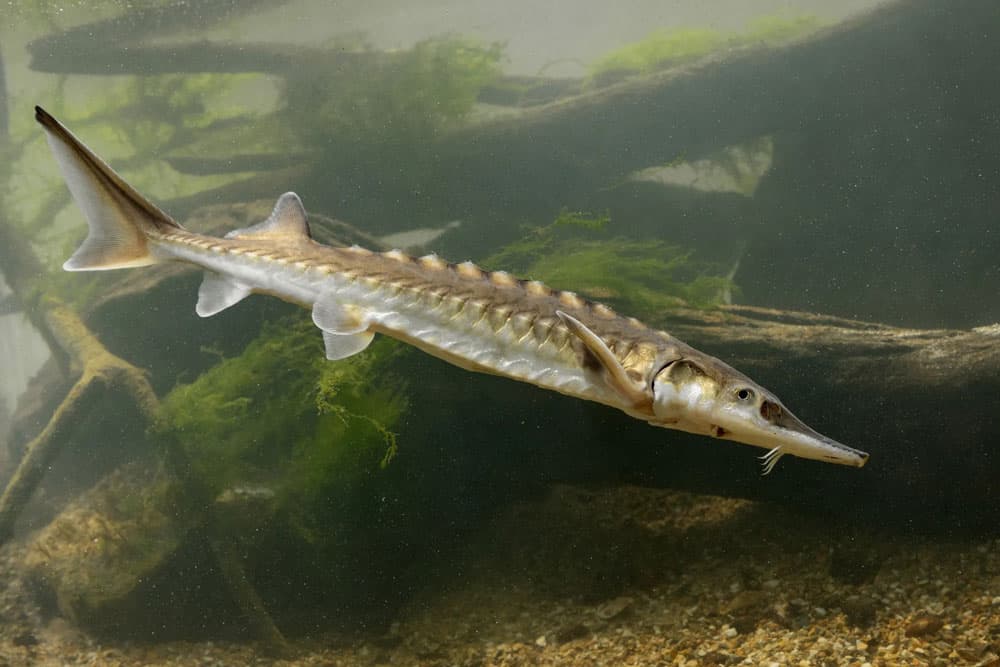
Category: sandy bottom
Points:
column 630, row 576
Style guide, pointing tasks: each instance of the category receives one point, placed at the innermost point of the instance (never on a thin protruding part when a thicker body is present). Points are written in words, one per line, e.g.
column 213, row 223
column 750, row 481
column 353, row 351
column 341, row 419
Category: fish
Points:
column 478, row 320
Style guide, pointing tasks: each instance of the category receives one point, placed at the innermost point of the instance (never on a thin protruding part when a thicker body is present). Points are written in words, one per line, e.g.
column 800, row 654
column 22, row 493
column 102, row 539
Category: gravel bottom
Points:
column 631, row 576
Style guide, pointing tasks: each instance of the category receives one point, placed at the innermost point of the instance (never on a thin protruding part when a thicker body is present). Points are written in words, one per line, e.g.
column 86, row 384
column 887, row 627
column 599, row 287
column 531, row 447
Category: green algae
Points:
column 579, row 251
column 401, row 98
column 662, row 49
column 283, row 416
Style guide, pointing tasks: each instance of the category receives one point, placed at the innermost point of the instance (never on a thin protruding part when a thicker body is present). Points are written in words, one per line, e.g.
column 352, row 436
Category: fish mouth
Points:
column 844, row 455
column 815, row 446
column 786, row 434
column 794, row 437
column 862, row 459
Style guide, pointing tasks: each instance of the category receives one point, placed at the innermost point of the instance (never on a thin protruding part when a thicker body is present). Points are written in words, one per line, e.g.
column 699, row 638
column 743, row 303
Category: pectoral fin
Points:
column 615, row 376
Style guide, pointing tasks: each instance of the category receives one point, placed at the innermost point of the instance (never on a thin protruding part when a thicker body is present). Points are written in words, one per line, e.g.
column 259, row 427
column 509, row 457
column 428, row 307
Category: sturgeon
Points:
column 485, row 321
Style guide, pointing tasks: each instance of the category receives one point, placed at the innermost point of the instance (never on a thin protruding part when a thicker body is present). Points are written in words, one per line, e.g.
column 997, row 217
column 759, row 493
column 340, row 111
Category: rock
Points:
column 745, row 600
column 93, row 558
column 923, row 625
column 26, row 638
column 860, row 611
column 972, row 652
column 614, row 608
column 746, row 610
column 568, row 633
column 720, row 658
column 854, row 564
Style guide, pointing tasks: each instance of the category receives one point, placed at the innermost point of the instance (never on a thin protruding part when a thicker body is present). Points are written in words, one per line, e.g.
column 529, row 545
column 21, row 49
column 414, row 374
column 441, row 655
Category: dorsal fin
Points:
column 287, row 222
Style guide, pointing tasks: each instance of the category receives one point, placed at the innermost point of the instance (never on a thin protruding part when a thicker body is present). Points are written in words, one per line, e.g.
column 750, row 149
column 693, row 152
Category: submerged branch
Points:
column 102, row 375
column 246, row 596
column 110, row 46
column 858, row 354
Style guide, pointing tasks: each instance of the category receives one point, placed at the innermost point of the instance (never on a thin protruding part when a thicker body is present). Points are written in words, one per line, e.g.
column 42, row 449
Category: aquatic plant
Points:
column 668, row 48
column 281, row 415
column 661, row 48
column 642, row 277
column 399, row 98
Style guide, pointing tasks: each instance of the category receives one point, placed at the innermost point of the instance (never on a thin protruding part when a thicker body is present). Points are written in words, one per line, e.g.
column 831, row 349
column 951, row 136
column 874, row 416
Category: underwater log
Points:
column 864, row 355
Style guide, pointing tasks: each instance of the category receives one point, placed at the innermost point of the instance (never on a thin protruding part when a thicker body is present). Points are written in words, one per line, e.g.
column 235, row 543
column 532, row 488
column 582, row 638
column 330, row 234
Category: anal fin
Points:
column 217, row 292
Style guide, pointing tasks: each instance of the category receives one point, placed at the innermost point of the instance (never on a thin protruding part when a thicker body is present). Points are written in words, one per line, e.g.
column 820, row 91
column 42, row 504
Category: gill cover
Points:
column 678, row 388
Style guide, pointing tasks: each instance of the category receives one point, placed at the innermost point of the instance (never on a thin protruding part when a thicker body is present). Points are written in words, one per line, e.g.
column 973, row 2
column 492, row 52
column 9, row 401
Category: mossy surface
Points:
column 668, row 48
column 662, row 48
column 97, row 551
column 402, row 98
column 581, row 252
column 283, row 416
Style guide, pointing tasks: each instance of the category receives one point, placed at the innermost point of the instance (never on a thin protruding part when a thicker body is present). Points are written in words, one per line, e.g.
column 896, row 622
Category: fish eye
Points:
column 744, row 394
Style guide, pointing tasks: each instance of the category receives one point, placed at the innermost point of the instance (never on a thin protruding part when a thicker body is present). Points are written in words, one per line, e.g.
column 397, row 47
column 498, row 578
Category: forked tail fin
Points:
column 120, row 219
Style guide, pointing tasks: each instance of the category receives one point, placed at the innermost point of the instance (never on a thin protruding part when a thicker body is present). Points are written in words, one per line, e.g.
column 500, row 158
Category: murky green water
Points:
column 805, row 191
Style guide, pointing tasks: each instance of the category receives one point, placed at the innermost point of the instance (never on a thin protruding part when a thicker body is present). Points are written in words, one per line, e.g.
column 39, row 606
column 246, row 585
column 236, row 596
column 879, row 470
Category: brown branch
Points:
column 109, row 46
column 857, row 354
column 245, row 595
column 102, row 375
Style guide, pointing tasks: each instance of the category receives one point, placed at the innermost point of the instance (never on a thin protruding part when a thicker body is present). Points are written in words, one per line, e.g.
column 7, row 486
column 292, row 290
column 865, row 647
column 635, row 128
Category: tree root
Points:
column 246, row 596
column 101, row 374
column 104, row 375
